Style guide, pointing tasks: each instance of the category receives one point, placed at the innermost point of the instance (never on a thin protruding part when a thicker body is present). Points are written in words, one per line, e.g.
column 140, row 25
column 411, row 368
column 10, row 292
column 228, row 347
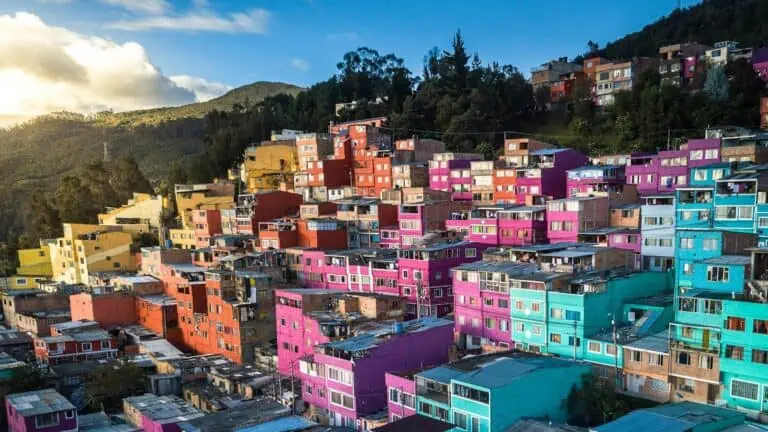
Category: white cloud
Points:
column 54, row 1
column 300, row 64
column 252, row 21
column 45, row 68
column 344, row 37
column 152, row 7
column 204, row 90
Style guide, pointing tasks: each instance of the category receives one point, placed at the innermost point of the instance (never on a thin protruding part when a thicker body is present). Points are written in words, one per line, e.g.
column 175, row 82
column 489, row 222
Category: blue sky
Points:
column 303, row 39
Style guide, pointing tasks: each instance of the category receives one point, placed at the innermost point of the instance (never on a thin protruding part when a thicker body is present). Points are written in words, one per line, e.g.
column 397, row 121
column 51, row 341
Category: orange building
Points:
column 186, row 283
column 254, row 208
column 158, row 314
column 382, row 174
column 322, row 233
column 109, row 310
column 278, row 234
column 207, row 223
column 504, row 181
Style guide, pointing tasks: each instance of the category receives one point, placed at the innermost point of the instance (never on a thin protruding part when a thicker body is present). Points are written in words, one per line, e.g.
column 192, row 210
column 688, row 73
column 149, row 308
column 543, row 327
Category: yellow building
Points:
column 182, row 238
column 141, row 214
column 34, row 266
column 267, row 165
column 86, row 249
column 212, row 196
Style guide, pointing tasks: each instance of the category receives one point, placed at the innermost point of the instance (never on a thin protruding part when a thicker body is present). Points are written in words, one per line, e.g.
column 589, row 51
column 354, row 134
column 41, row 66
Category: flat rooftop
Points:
column 373, row 338
column 39, row 402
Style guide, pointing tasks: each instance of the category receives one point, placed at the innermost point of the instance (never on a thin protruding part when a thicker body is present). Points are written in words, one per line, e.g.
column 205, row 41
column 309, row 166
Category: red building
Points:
column 186, row 283
column 382, row 174
column 504, row 181
column 75, row 342
column 254, row 208
column 278, row 234
column 563, row 90
column 207, row 223
column 108, row 310
column 158, row 314
column 322, row 233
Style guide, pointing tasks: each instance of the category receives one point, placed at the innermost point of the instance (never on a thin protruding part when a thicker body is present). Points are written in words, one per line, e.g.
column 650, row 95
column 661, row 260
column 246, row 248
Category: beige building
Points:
column 141, row 214
column 212, row 196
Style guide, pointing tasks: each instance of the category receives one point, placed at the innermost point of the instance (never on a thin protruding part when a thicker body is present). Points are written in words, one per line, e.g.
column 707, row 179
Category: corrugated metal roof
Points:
column 728, row 260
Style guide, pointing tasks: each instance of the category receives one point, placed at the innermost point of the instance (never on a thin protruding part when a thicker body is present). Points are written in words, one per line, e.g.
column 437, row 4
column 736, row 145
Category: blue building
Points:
column 679, row 417
column 492, row 392
column 695, row 245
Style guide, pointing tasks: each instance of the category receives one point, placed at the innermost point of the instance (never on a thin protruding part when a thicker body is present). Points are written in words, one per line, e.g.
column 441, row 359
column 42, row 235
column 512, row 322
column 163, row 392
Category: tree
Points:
column 108, row 385
column 716, row 84
column 543, row 97
column 592, row 48
column 594, row 402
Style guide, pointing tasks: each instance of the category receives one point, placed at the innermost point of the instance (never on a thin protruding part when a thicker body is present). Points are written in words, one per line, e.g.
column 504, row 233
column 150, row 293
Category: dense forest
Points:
column 458, row 96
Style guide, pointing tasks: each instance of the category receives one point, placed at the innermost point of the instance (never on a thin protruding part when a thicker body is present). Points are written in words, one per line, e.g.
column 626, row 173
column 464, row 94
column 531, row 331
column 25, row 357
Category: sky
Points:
column 92, row 55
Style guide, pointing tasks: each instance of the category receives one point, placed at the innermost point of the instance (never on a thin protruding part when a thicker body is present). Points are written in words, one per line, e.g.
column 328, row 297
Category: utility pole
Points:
column 669, row 136
column 418, row 299
column 615, row 352
column 293, row 393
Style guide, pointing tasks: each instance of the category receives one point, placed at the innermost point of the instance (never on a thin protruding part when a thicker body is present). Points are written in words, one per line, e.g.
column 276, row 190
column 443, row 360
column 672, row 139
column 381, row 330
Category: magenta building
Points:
column 356, row 270
column 40, row 411
column 595, row 178
column 628, row 239
column 546, row 173
column 566, row 218
column 389, row 237
column 344, row 380
column 760, row 62
column 665, row 172
column 481, row 302
column 306, row 317
column 401, row 394
column 450, row 172
column 428, row 270
column 522, row 225
column 418, row 219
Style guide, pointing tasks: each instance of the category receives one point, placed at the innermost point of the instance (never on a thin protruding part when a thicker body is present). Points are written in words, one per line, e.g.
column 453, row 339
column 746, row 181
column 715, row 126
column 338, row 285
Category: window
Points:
column 475, row 424
column 710, row 244
column 735, row 323
column 460, row 420
column 519, row 305
column 706, row 362
column 687, row 269
column 342, row 399
column 339, row 375
column 759, row 356
column 470, row 253
column 519, row 327
column 504, row 304
column 746, row 212
column 490, row 323
column 488, row 301
column 687, row 332
column 744, row 389
column 69, row 415
column 87, row 346
column 717, row 274
column 762, row 222
column 637, row 356
column 537, row 329
column 699, row 174
column 760, row 326
column 555, row 338
column 535, row 306
column 46, row 420
column 595, row 347
column 504, row 325
column 408, row 400
column 470, row 393
column 734, row 352
column 573, row 315
column 656, row 359
column 610, row 350
column 686, row 243
column 722, row 212
column 683, row 358
column 555, row 313
column 711, row 154
column 394, row 395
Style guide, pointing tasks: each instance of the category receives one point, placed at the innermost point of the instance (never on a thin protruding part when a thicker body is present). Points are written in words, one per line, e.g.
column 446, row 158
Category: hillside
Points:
column 245, row 95
column 709, row 22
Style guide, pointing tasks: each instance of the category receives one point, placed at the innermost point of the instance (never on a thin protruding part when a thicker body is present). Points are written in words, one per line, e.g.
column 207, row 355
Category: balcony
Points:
column 433, row 390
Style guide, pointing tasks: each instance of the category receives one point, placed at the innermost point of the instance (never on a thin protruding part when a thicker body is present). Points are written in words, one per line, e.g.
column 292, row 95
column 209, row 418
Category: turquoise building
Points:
column 695, row 245
column 491, row 392
column 557, row 313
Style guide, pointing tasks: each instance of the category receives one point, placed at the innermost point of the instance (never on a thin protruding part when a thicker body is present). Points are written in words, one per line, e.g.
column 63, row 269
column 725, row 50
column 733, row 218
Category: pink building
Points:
column 401, row 394
column 546, row 173
column 481, row 302
column 357, row 270
column 523, row 225
column 643, row 172
column 344, row 380
column 450, row 172
column 425, row 279
column 389, row 237
column 40, row 411
column 566, row 218
column 628, row 239
column 668, row 170
column 306, row 317
column 207, row 223
column 590, row 178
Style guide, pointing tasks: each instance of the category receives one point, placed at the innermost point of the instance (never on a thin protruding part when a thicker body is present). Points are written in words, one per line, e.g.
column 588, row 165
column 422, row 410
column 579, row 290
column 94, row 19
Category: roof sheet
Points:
column 658, row 343
column 39, row 402
column 729, row 260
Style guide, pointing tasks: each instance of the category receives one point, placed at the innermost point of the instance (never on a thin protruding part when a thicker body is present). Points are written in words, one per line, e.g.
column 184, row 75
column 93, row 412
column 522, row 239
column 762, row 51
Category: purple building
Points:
column 450, row 172
column 428, row 270
column 760, row 62
column 40, row 411
column 595, row 178
column 345, row 380
column 546, row 173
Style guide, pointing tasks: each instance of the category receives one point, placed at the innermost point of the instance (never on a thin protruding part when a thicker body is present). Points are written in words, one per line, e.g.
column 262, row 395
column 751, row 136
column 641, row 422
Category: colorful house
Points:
column 657, row 229
column 418, row 218
column 268, row 164
column 546, row 173
column 449, row 172
column 481, row 302
column 85, row 249
column 492, row 392
column 344, row 380
column 190, row 197
column 590, row 179
column 522, row 225
column 566, row 218
column 254, row 208
column 365, row 216
column 401, row 394
column 307, row 317
column 425, row 275
column 40, row 411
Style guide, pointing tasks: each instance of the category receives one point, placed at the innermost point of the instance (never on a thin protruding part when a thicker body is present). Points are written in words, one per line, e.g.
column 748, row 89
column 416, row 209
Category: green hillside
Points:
column 245, row 95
